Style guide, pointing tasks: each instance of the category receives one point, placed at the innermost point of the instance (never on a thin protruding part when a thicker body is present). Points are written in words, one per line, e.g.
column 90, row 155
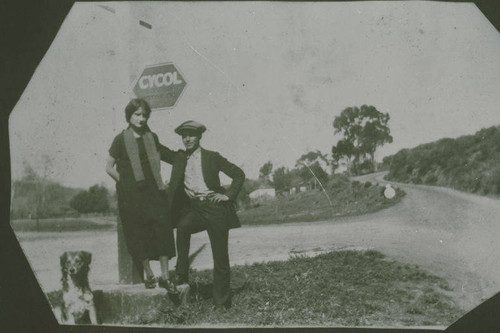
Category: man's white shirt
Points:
column 194, row 184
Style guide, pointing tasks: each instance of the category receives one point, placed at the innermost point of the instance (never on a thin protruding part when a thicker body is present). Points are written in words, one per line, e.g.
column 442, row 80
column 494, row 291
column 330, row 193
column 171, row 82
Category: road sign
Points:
column 160, row 85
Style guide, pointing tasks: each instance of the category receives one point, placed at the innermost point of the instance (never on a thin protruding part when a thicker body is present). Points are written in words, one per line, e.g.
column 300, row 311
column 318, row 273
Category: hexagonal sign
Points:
column 160, row 85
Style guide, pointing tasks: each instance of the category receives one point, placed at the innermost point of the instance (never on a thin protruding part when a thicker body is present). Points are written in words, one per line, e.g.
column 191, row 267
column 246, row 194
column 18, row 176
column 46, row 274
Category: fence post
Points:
column 129, row 270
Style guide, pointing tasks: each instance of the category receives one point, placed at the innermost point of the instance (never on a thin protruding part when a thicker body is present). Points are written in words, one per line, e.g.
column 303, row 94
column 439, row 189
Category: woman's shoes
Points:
column 150, row 282
column 167, row 284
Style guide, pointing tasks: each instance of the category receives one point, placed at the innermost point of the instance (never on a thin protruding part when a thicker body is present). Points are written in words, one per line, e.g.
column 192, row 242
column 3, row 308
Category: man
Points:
column 198, row 202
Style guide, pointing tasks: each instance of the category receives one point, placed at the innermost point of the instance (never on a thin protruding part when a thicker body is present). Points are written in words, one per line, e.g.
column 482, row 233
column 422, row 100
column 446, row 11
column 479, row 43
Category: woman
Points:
column 141, row 194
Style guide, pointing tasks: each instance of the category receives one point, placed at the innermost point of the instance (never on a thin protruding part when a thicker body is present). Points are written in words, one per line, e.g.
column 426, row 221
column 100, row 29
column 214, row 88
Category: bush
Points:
column 366, row 167
column 430, row 179
column 95, row 200
column 337, row 181
column 416, row 180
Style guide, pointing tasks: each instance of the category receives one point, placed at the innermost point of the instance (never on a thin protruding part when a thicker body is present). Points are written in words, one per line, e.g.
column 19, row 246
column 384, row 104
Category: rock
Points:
column 389, row 192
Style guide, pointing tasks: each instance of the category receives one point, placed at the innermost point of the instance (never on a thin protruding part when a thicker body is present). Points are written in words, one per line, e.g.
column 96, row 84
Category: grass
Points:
column 346, row 288
column 63, row 224
column 347, row 198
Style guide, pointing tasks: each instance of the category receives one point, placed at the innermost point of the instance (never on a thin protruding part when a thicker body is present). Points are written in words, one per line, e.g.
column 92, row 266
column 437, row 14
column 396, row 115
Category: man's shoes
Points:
column 223, row 307
column 172, row 292
column 179, row 279
column 169, row 285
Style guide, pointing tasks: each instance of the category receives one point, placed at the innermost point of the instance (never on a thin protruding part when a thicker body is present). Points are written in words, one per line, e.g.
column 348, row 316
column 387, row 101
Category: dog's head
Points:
column 75, row 262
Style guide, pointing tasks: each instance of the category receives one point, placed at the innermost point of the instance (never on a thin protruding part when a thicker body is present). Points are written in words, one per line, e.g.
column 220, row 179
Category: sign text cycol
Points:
column 160, row 85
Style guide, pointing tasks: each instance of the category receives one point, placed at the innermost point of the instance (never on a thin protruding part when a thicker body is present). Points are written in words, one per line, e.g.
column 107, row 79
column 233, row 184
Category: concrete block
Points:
column 116, row 304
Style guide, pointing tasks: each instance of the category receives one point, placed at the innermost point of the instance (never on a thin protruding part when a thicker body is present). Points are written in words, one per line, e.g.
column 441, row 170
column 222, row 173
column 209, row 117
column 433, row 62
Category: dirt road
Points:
column 449, row 233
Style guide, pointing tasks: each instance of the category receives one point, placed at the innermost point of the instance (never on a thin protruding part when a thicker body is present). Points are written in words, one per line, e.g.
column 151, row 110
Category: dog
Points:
column 77, row 304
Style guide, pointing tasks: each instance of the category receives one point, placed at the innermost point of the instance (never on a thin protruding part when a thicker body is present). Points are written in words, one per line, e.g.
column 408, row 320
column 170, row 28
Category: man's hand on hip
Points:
column 218, row 198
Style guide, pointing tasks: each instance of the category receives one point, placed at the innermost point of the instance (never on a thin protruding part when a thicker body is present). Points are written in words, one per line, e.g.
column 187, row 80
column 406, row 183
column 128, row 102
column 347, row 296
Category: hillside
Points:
column 469, row 163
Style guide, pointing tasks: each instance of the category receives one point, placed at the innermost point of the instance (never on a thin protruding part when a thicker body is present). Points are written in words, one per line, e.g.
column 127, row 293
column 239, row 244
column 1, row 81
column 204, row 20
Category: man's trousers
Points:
column 204, row 215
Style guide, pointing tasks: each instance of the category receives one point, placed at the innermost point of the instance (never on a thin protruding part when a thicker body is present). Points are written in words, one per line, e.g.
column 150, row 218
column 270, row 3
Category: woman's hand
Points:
column 110, row 168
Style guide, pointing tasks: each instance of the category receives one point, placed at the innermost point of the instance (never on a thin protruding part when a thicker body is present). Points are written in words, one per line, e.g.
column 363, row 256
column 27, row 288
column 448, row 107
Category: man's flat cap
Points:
column 190, row 125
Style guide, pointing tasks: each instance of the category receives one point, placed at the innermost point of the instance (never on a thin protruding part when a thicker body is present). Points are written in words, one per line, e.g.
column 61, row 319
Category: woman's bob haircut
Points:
column 134, row 105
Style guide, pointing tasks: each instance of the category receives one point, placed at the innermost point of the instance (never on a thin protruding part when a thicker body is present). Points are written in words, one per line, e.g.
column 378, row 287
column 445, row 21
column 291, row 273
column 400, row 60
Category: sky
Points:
column 267, row 79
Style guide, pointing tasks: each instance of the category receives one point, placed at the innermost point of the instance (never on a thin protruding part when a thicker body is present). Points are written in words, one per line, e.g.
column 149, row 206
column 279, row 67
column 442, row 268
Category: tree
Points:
column 310, row 169
column 375, row 132
column 37, row 184
column 311, row 157
column 42, row 204
column 363, row 130
column 95, row 200
column 29, row 174
column 99, row 199
column 81, row 202
column 26, row 193
column 265, row 171
column 343, row 150
column 281, row 179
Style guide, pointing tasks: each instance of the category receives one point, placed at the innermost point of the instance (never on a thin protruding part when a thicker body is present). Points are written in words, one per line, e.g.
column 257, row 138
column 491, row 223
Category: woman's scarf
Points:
column 151, row 151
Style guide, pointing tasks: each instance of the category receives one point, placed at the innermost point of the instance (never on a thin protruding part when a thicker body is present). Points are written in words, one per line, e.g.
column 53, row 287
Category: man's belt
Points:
column 206, row 198
column 200, row 198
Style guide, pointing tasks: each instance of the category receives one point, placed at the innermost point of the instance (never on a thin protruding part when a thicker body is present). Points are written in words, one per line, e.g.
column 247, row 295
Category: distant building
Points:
column 298, row 186
column 263, row 193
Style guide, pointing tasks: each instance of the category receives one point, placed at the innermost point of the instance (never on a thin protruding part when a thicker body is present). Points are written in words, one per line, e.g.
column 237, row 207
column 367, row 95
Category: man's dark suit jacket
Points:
column 211, row 163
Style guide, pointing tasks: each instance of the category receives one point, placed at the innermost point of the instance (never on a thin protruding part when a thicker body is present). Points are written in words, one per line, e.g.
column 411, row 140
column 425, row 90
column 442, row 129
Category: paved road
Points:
column 449, row 233
column 453, row 234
